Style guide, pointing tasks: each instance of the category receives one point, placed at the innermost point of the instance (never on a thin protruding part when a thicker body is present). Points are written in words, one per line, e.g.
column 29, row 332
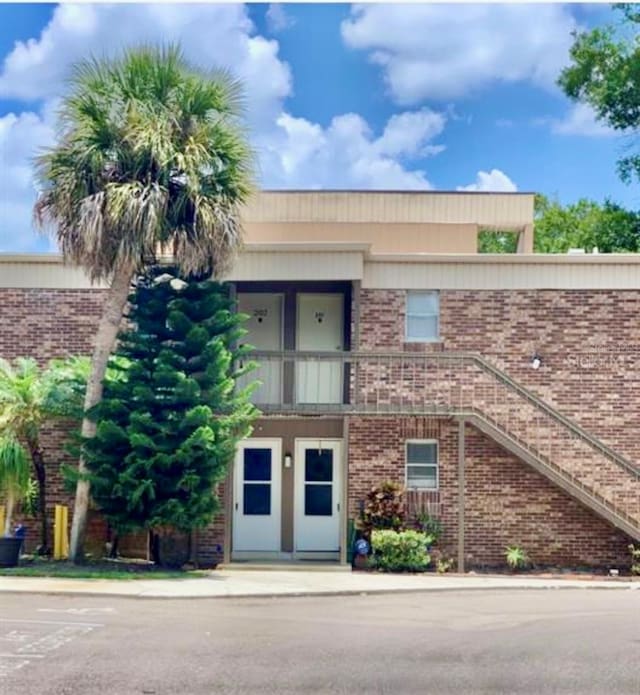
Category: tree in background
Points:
column 150, row 159
column 585, row 225
column 605, row 74
column 31, row 397
column 171, row 417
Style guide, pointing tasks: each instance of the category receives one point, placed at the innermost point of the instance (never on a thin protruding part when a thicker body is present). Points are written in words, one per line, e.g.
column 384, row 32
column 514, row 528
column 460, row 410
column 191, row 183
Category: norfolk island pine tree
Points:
column 171, row 414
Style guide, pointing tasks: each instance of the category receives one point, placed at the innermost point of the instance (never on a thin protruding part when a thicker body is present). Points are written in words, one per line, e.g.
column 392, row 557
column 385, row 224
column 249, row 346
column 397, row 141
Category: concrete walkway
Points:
column 266, row 583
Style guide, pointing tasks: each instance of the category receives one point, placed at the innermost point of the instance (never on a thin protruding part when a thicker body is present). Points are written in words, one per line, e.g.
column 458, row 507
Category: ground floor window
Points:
column 422, row 464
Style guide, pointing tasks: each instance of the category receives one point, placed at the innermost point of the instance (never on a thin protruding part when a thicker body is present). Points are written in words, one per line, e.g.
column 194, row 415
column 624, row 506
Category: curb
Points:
column 316, row 594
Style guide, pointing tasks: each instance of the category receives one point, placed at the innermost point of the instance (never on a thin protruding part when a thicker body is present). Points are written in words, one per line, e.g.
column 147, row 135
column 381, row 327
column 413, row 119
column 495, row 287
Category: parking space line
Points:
column 51, row 622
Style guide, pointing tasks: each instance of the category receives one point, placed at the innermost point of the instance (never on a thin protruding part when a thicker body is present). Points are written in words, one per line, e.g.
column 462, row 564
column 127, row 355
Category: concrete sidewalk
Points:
column 266, row 583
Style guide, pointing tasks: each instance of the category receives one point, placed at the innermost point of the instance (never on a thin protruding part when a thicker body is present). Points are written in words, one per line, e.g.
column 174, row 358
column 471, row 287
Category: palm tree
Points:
column 151, row 160
column 14, row 476
column 29, row 398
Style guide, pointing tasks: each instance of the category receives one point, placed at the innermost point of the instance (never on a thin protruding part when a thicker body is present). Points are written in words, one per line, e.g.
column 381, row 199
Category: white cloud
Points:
column 293, row 152
column 347, row 154
column 580, row 120
column 494, row 180
column 277, row 18
column 436, row 51
column 21, row 136
column 408, row 133
column 35, row 70
column 210, row 35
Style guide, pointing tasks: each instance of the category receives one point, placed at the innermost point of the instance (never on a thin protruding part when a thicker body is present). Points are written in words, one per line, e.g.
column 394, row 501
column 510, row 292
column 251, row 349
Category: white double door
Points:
column 317, row 497
column 257, row 496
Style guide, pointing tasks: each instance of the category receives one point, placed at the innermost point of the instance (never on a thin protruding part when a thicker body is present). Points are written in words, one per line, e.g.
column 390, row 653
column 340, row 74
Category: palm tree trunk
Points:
column 105, row 339
column 37, row 457
column 9, row 514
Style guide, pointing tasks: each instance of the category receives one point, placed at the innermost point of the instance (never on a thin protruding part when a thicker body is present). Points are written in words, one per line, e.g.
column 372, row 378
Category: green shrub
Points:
column 430, row 525
column 516, row 557
column 397, row 551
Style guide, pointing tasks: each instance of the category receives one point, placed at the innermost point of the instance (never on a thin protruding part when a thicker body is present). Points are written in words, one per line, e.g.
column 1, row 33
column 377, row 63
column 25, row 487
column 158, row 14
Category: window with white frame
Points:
column 422, row 464
column 422, row 316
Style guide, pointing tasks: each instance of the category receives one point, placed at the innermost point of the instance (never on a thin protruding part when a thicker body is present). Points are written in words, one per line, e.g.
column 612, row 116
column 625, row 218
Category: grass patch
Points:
column 95, row 570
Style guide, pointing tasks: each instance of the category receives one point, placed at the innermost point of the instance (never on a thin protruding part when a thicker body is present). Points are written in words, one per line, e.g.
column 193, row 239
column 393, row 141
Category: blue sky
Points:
column 340, row 96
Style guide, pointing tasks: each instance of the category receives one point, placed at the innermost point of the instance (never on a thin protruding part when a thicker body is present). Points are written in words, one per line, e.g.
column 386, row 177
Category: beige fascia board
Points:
column 509, row 259
column 30, row 258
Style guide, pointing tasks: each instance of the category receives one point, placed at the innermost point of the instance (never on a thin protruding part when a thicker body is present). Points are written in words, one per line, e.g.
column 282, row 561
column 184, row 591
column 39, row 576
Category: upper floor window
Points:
column 422, row 316
column 422, row 464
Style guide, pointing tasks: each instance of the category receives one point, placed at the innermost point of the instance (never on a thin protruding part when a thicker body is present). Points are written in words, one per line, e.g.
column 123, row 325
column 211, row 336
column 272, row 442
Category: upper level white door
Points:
column 320, row 327
column 265, row 326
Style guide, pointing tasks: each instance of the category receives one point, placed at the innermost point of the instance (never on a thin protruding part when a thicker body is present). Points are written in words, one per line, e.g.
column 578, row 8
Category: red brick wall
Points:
column 589, row 345
column 45, row 323
column 506, row 502
column 589, row 342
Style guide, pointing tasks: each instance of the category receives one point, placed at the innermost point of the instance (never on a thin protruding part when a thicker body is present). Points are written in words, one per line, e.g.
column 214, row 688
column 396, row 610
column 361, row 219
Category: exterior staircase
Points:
column 468, row 387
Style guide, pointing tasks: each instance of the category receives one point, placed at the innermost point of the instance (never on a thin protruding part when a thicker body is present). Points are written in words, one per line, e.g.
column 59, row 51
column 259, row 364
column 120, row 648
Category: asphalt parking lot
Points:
column 538, row 641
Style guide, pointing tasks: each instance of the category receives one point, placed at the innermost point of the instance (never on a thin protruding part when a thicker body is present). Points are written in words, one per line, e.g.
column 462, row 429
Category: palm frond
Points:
column 151, row 155
column 14, row 467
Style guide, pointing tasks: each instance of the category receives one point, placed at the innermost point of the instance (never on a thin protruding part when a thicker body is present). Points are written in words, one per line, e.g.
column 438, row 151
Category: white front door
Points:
column 257, row 492
column 264, row 327
column 317, row 496
column 320, row 326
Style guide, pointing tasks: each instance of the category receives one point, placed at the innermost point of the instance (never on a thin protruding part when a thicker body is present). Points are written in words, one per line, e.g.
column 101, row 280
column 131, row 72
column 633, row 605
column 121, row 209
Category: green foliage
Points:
column 444, row 564
column 383, row 509
column 32, row 396
column 635, row 560
column 516, row 557
column 170, row 418
column 151, row 157
column 14, row 475
column 605, row 74
column 430, row 525
column 397, row 551
column 585, row 224
column 490, row 241
column 31, row 499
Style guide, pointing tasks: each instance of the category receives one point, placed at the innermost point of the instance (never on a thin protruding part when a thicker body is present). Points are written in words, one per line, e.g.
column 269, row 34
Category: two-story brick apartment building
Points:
column 501, row 390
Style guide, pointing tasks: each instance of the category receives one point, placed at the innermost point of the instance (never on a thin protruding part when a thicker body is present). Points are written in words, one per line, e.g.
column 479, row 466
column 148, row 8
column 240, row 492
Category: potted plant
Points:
column 14, row 485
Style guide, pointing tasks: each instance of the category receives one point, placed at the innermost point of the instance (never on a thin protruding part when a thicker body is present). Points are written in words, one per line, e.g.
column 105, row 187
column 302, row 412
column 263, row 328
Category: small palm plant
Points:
column 31, row 396
column 14, row 476
column 516, row 557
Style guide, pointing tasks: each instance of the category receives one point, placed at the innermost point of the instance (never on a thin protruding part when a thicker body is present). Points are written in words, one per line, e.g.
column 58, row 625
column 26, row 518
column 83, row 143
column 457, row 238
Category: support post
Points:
column 344, row 504
column 57, row 533
column 64, row 533
column 461, row 496
column 228, row 514
column 525, row 239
